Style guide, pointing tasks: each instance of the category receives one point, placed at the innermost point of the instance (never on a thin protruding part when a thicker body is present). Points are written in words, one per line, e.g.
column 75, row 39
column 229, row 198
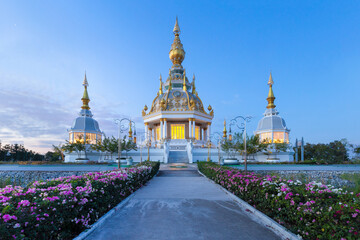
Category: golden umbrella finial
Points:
column 161, row 86
column 177, row 53
column 224, row 131
column 184, row 82
column 130, row 130
column 193, row 85
column 271, row 96
column 176, row 27
column 85, row 99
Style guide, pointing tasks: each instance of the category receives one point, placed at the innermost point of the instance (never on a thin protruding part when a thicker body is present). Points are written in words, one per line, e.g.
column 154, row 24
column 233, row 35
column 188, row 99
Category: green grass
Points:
column 9, row 181
column 354, row 178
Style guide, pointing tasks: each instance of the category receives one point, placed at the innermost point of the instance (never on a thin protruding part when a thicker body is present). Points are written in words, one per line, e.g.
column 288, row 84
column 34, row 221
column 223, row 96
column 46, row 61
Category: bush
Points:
column 313, row 210
column 62, row 208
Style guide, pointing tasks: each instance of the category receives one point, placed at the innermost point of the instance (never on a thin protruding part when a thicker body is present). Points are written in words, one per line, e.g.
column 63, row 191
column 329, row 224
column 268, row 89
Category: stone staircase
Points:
column 178, row 157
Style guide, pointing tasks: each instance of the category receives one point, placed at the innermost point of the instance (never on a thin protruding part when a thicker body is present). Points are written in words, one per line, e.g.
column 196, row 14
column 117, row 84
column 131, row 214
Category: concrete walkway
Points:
column 251, row 167
column 181, row 204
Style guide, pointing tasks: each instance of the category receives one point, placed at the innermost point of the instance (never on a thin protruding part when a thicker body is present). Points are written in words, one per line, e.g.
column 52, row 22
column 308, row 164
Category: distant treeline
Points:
column 339, row 151
column 17, row 152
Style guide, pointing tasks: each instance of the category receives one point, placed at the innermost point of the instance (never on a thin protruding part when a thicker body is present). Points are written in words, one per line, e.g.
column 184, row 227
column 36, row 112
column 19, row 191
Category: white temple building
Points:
column 272, row 129
column 85, row 129
column 177, row 127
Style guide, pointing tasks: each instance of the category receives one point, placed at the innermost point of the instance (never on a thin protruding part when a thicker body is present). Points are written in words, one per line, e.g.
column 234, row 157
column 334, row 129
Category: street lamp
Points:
column 123, row 128
column 242, row 126
column 217, row 136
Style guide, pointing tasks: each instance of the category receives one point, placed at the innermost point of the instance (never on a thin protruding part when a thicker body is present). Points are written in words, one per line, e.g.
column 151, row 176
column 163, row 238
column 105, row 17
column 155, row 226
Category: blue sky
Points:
column 311, row 47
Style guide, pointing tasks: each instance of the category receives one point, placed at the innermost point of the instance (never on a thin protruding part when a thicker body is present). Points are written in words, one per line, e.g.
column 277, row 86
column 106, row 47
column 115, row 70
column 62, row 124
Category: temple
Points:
column 85, row 129
column 177, row 116
column 272, row 130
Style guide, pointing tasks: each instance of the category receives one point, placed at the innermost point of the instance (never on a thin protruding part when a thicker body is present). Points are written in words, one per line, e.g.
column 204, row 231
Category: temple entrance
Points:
column 177, row 131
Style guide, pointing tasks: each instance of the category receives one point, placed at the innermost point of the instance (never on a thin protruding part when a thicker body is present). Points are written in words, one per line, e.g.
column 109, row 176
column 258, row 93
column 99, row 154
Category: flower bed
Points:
column 63, row 207
column 312, row 210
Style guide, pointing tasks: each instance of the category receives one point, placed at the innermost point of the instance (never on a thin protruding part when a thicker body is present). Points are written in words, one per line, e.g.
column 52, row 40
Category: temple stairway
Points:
column 178, row 157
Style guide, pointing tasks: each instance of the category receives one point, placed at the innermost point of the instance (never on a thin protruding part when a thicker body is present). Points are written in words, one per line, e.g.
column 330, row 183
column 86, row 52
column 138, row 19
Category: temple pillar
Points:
column 193, row 128
column 146, row 131
column 190, row 126
column 150, row 134
column 209, row 132
column 165, row 128
column 161, row 129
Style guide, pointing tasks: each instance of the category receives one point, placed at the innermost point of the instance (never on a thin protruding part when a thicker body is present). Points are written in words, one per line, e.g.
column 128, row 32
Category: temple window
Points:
column 278, row 137
column 177, row 131
column 78, row 136
column 157, row 133
column 265, row 137
column 90, row 138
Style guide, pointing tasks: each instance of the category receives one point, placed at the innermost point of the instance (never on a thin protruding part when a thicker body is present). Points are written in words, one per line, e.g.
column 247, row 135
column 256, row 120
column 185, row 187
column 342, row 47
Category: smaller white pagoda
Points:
column 85, row 129
column 272, row 129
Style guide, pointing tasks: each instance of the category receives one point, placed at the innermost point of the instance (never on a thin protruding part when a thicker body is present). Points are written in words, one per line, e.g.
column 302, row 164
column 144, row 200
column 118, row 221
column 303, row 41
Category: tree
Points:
column 333, row 152
column 76, row 146
column 253, row 145
column 59, row 150
column 52, row 156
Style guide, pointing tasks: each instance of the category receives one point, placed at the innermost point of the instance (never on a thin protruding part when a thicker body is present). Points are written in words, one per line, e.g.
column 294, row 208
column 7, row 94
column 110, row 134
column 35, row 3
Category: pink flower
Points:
column 354, row 215
column 24, row 203
column 8, row 217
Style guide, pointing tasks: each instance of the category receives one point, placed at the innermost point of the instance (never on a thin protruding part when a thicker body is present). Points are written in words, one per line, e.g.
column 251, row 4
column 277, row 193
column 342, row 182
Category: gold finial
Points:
column 85, row 99
column 184, row 82
column 271, row 96
column 224, row 131
column 193, row 85
column 130, row 130
column 161, row 86
column 170, row 84
column 177, row 53
column 176, row 27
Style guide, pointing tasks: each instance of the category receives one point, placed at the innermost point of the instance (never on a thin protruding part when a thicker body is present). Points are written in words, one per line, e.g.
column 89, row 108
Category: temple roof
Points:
column 85, row 122
column 271, row 120
column 177, row 93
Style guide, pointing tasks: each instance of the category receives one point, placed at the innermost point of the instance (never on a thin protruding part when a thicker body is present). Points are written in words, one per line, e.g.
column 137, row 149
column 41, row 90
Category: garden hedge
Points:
column 311, row 210
column 63, row 207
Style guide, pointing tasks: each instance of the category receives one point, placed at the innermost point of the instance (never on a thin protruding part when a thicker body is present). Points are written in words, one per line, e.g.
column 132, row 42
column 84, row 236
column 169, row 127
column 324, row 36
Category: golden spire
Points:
column 224, row 131
column 170, row 84
column 271, row 96
column 161, row 86
column 193, row 86
column 176, row 29
column 85, row 99
column 184, row 82
column 177, row 53
column 130, row 130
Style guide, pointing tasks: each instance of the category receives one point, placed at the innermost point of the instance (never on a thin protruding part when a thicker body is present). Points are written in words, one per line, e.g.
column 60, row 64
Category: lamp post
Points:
column 122, row 128
column 217, row 136
column 242, row 126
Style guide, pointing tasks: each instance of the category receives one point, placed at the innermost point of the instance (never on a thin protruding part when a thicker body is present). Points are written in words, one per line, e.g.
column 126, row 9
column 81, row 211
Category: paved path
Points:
column 181, row 204
column 339, row 167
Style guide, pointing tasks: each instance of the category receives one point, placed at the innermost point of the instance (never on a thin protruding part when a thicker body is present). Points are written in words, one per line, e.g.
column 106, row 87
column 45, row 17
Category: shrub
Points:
column 312, row 210
column 63, row 207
